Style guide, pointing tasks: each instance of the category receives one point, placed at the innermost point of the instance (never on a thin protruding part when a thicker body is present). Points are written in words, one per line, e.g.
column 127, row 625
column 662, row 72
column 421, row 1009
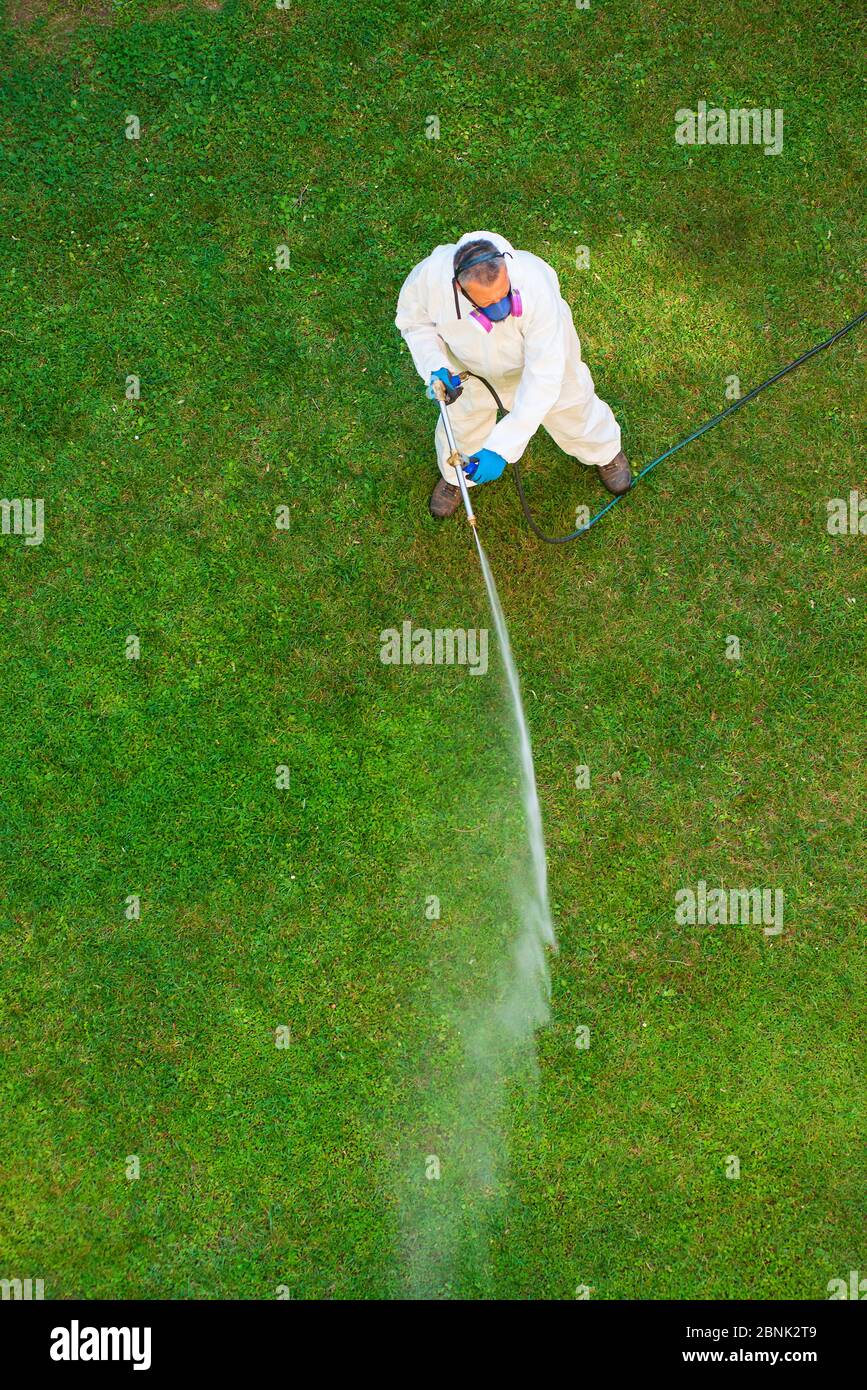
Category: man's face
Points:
column 484, row 295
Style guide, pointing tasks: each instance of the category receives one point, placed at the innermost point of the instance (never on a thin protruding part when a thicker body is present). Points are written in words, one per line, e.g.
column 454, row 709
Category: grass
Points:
column 304, row 907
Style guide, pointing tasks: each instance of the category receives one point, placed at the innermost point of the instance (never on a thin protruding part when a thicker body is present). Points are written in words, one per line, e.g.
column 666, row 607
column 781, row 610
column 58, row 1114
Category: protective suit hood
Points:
column 443, row 257
column 499, row 241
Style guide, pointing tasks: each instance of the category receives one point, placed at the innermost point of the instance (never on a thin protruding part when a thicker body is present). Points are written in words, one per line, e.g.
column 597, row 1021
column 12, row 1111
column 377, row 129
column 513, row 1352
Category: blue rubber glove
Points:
column 451, row 383
column 484, row 466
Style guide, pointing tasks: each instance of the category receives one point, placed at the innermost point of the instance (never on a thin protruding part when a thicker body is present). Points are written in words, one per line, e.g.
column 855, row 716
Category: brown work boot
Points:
column 444, row 500
column 616, row 475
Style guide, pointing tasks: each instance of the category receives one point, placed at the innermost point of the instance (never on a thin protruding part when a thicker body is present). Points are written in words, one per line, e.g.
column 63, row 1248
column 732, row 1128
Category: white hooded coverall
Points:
column 533, row 362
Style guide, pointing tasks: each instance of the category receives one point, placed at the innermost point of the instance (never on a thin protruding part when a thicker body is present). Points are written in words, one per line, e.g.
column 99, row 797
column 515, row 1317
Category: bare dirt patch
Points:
column 59, row 18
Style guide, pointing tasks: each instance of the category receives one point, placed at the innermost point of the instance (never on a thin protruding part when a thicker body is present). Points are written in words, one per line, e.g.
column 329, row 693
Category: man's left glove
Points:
column 449, row 390
column 484, row 466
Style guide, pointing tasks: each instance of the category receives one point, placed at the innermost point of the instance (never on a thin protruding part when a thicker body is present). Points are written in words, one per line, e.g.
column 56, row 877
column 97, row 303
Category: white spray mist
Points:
column 498, row 1041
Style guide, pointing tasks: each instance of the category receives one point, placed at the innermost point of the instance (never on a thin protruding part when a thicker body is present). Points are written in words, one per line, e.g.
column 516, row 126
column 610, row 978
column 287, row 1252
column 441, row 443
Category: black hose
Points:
column 708, row 425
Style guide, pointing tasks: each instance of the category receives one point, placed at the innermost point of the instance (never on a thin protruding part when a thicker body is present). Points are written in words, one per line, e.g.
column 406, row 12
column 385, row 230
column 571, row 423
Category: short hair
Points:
column 484, row 272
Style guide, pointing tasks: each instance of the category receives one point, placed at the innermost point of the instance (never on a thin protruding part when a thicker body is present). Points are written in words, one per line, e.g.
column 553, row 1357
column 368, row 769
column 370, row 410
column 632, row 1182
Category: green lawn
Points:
column 261, row 388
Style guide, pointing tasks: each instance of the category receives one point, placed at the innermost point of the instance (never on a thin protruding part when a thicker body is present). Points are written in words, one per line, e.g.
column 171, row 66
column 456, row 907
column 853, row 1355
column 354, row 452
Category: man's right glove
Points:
column 484, row 466
column 449, row 389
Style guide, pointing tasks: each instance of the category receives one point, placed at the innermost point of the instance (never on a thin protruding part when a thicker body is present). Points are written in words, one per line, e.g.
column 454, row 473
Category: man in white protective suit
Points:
column 482, row 307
